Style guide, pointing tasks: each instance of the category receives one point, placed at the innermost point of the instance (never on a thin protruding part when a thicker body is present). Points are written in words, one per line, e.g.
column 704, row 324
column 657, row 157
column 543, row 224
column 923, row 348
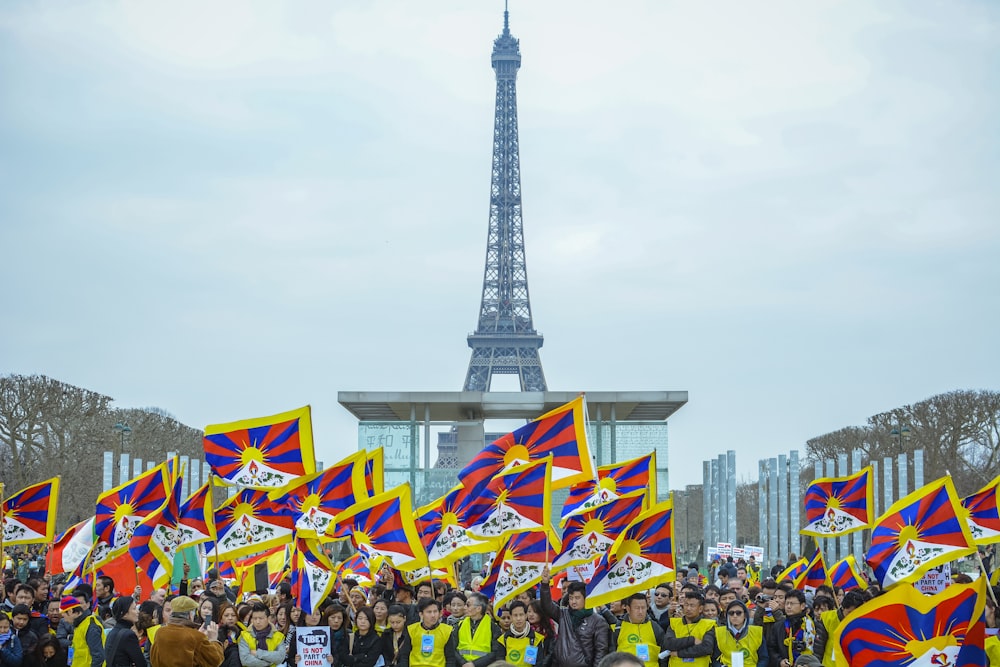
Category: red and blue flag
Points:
column 121, row 509
column 793, row 571
column 982, row 515
column 590, row 534
column 814, row 575
column 641, row 557
column 383, row 526
column 196, row 523
column 905, row 628
column 517, row 567
column 356, row 567
column 375, row 472
column 560, row 433
column 613, row 481
column 312, row 575
column 315, row 499
column 267, row 452
column 155, row 540
column 514, row 501
column 29, row 516
column 250, row 522
column 844, row 574
column 839, row 505
column 919, row 532
column 442, row 532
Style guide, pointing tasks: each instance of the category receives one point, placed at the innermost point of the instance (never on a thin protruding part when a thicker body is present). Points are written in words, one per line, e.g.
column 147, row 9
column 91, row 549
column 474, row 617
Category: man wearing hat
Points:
column 87, row 647
column 182, row 642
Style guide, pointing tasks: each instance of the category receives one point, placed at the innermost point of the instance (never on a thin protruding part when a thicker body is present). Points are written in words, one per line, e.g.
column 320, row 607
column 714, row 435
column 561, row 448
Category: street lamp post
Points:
column 901, row 433
column 124, row 429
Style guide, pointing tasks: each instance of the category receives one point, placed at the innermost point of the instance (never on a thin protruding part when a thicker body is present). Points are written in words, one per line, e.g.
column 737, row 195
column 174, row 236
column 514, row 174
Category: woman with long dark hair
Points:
column 121, row 649
column 364, row 648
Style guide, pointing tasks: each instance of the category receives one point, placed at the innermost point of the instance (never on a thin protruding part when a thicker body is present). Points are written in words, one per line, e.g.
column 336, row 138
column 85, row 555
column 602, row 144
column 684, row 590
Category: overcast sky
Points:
column 229, row 209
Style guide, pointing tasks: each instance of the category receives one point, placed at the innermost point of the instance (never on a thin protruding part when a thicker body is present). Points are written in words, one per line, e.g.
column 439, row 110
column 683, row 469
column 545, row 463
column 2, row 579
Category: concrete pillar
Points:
column 108, row 470
column 887, row 483
column 716, row 528
column 706, row 503
column 876, row 498
column 844, row 472
column 124, row 468
column 783, row 505
column 723, row 500
column 794, row 501
column 903, row 481
column 136, row 466
column 762, row 504
column 918, row 469
column 773, row 554
column 186, row 479
column 856, row 538
column 195, row 476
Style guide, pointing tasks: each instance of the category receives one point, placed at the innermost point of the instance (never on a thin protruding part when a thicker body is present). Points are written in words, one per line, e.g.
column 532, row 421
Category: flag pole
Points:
column 3, row 558
column 986, row 576
column 211, row 503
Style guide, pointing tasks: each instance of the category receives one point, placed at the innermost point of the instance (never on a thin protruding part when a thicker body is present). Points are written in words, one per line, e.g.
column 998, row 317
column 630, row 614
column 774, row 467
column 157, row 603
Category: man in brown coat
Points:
column 182, row 642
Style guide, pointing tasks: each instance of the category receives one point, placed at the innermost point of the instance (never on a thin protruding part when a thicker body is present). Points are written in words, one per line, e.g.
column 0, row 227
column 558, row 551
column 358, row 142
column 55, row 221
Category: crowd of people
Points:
column 702, row 619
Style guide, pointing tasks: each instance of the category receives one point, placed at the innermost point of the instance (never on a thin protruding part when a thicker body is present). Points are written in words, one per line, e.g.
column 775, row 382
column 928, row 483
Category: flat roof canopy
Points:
column 457, row 406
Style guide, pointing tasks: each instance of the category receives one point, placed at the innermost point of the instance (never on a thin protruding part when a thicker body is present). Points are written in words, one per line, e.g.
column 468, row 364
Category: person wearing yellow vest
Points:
column 690, row 640
column 737, row 635
column 87, row 647
column 523, row 646
column 638, row 634
column 260, row 644
column 828, row 622
column 432, row 643
column 478, row 639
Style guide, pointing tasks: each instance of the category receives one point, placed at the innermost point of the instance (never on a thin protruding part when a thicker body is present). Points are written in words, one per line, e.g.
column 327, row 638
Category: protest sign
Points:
column 934, row 580
column 313, row 645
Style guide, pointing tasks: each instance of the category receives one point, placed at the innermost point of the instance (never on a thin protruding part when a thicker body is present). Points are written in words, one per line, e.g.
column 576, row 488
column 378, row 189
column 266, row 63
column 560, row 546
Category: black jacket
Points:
column 576, row 647
column 364, row 650
column 122, row 647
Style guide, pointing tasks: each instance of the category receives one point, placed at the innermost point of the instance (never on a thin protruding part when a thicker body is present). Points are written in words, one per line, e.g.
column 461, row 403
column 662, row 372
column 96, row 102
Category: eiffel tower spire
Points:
column 505, row 340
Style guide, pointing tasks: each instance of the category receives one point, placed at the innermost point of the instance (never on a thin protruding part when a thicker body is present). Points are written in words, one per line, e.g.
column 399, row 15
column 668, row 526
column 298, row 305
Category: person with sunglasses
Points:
column 737, row 635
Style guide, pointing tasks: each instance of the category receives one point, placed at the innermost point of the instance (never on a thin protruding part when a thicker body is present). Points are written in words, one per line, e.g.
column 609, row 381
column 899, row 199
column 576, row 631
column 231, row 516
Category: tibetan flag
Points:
column 383, row 526
column 917, row 533
column 121, row 509
column 839, row 505
column 262, row 453
column 589, row 535
column 262, row 571
column 441, row 531
column 640, row 558
column 814, row 575
column 845, row 574
column 515, row 501
column 356, row 568
column 375, row 472
column 29, row 516
column 71, row 548
column 517, row 567
column 196, row 523
column 982, row 515
column 315, row 499
column 793, row 571
column 561, row 434
column 613, row 481
column 420, row 575
column 250, row 522
column 154, row 542
column 312, row 575
column 905, row 628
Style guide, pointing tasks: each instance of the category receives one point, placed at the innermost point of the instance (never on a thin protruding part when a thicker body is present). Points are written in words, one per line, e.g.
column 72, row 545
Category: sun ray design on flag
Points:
column 120, row 510
column 641, row 557
column 316, row 498
column 250, row 522
column 839, row 505
column 517, row 500
column 794, row 571
column 444, row 537
column 589, row 535
column 29, row 516
column 517, row 567
column 917, row 533
column 814, row 575
column 905, row 628
column 312, row 575
column 154, row 543
column 383, row 526
column 266, row 452
column 613, row 481
column 982, row 514
column 560, row 433
column 196, row 525
column 356, row 567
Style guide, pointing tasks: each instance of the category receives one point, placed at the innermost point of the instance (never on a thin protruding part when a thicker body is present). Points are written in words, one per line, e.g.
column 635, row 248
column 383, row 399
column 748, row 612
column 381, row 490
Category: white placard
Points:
column 725, row 549
column 934, row 580
column 736, row 659
column 312, row 645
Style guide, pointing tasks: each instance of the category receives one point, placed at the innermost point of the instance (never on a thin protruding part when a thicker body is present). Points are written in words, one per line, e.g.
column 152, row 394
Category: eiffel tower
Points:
column 505, row 340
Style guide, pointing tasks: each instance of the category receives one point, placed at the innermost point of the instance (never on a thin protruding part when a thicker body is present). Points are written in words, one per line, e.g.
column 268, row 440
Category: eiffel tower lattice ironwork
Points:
column 505, row 340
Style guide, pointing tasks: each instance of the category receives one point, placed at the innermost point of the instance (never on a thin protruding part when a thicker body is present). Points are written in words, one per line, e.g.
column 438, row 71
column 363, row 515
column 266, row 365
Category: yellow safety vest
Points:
column 993, row 651
column 748, row 645
column 151, row 633
column 696, row 630
column 272, row 643
column 517, row 647
column 472, row 647
column 81, row 652
column 631, row 635
column 830, row 620
column 435, row 658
